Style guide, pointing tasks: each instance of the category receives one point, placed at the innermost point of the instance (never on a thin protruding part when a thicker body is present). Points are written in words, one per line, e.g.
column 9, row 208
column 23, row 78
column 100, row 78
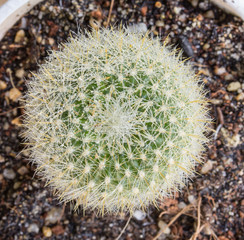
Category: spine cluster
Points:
column 115, row 121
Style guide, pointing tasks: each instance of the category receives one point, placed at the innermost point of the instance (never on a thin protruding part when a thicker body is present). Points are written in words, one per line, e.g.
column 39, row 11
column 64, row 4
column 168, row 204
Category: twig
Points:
column 199, row 227
column 185, row 209
column 110, row 12
column 220, row 115
column 11, row 78
column 123, row 230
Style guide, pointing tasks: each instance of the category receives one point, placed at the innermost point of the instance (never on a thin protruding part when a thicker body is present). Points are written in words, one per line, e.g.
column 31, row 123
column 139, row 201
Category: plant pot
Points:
column 11, row 11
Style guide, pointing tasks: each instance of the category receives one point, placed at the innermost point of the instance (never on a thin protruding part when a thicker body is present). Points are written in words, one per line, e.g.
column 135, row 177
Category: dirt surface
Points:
column 212, row 205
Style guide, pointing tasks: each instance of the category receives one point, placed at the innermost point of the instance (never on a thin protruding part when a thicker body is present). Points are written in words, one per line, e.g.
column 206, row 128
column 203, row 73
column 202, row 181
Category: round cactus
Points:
column 115, row 121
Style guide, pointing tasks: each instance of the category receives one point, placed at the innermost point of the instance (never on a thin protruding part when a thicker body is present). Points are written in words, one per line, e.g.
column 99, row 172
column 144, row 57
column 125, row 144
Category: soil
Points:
column 212, row 203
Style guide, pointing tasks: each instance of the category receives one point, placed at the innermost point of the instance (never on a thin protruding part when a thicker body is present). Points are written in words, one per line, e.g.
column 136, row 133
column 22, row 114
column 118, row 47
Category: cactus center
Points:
column 118, row 121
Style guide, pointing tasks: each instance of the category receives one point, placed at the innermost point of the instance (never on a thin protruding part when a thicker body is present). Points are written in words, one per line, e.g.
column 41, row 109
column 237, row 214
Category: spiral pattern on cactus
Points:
column 115, row 121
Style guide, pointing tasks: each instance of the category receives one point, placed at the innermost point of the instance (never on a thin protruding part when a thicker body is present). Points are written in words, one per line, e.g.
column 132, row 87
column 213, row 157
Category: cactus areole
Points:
column 115, row 121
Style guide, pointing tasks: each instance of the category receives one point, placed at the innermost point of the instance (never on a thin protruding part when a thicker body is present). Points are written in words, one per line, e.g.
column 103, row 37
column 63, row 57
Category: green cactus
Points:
column 115, row 121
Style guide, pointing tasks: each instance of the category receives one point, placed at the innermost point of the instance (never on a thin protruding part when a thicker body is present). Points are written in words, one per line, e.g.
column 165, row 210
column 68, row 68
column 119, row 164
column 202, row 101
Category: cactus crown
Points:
column 115, row 121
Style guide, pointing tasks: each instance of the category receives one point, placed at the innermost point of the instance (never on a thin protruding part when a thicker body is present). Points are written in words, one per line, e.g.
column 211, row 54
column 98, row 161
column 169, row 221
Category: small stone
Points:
column 33, row 228
column 17, row 185
column 23, row 170
column 139, row 215
column 54, row 215
column 207, row 230
column 162, row 225
column 219, row 70
column 216, row 101
column 16, row 121
column 20, row 73
column 182, row 17
column 9, row 173
column 207, row 167
column 51, row 41
column 158, row 4
column 47, row 232
column 181, row 205
column 19, row 37
column 229, row 77
column 3, row 85
column 234, row 86
column 2, row 159
column 159, row 23
column 194, row 3
column 240, row 96
column 206, row 46
column 209, row 14
column 144, row 11
column 39, row 39
column 14, row 94
column 192, row 199
column 177, row 10
column 139, row 27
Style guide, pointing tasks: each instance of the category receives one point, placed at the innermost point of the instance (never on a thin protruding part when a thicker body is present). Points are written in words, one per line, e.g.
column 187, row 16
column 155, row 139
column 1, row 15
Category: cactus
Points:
column 115, row 121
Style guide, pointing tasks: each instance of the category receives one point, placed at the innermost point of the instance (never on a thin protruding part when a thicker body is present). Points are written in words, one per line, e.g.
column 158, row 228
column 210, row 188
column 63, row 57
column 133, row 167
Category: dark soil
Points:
column 215, row 42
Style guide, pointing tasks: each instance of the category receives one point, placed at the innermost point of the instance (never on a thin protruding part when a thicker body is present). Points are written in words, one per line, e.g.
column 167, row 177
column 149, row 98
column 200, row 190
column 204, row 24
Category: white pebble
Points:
column 162, row 225
column 139, row 215
column 207, row 167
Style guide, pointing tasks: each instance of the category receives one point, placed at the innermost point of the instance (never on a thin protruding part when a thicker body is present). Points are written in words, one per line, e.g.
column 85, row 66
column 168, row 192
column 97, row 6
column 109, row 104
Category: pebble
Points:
column 14, row 94
column 17, row 185
column 181, row 205
column 229, row 77
column 177, row 10
column 144, row 11
column 234, row 86
column 139, row 215
column 192, row 199
column 2, row 159
column 23, row 170
column 33, row 228
column 185, row 44
column 162, row 225
column 53, row 215
column 182, row 17
column 240, row 96
column 209, row 14
column 9, row 173
column 47, row 232
column 159, row 23
column 3, row 85
column 219, row 70
column 206, row 46
column 20, row 73
column 194, row 3
column 208, row 230
column 158, row 4
column 207, row 167
column 16, row 121
column 19, row 37
column 139, row 27
column 51, row 41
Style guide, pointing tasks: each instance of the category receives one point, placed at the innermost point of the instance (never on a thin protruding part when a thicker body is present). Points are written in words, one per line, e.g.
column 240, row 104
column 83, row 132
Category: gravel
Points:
column 213, row 38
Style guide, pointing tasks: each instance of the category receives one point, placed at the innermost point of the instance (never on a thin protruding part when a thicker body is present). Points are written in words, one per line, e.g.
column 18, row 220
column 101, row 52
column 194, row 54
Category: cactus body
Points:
column 115, row 121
